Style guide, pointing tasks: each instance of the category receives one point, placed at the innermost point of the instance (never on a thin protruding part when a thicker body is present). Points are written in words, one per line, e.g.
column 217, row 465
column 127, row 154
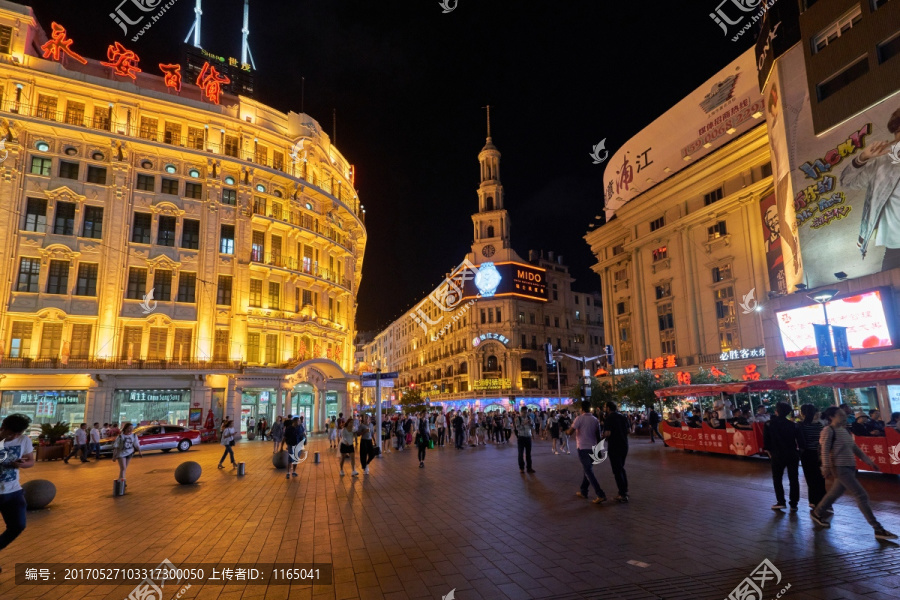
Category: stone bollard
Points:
column 118, row 487
column 316, row 458
column 241, row 469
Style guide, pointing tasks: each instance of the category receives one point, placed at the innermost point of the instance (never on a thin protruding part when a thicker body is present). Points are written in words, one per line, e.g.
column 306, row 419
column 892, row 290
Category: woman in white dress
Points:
column 124, row 448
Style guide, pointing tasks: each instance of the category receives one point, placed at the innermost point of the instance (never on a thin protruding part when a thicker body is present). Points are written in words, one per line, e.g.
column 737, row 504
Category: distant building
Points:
column 488, row 351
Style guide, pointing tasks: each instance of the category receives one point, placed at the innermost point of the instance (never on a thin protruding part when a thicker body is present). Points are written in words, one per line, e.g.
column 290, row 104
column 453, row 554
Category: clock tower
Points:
column 491, row 241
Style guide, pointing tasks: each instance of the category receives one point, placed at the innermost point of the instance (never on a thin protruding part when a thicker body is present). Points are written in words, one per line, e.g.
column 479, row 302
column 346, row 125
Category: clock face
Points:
column 488, row 251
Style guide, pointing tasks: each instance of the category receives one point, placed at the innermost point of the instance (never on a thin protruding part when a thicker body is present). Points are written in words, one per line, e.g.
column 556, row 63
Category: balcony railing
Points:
column 101, row 122
column 298, row 265
column 96, row 364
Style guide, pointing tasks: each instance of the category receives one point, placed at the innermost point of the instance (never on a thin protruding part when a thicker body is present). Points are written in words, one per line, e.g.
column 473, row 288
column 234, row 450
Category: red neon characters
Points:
column 59, row 44
column 172, row 76
column 123, row 61
column 211, row 82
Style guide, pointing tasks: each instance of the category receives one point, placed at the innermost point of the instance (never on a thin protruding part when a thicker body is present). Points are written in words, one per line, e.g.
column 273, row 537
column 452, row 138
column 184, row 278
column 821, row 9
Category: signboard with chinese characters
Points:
column 510, row 279
column 44, row 397
column 492, row 384
column 743, row 353
column 661, row 362
column 490, row 336
column 155, row 395
column 625, row 371
column 723, row 108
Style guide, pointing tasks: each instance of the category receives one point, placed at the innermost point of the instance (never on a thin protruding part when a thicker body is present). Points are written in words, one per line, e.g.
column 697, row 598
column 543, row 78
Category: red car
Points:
column 160, row 437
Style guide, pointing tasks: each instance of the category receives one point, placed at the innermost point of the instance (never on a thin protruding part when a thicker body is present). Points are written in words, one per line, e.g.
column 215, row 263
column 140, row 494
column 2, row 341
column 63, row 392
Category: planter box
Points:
column 55, row 452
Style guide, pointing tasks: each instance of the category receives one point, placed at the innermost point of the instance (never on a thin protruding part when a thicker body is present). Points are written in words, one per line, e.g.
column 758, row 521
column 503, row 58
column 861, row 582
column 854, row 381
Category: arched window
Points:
column 450, row 371
column 489, row 203
column 463, row 368
column 490, row 231
column 529, row 364
column 492, row 364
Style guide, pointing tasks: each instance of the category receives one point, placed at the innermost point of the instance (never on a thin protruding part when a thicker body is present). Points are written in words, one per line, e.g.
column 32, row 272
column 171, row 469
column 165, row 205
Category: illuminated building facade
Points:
column 166, row 247
column 488, row 351
column 688, row 235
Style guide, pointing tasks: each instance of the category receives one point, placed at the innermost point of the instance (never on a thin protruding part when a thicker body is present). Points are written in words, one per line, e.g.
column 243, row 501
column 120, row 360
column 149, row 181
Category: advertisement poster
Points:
column 195, row 417
column 772, row 232
column 844, row 185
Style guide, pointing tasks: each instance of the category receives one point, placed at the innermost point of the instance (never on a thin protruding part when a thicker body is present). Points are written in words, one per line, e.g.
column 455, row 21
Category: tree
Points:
column 638, row 388
column 820, row 396
column 601, row 392
column 412, row 402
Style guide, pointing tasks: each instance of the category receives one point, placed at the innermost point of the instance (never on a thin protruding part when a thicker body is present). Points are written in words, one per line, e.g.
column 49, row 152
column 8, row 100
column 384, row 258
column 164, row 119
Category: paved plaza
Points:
column 696, row 526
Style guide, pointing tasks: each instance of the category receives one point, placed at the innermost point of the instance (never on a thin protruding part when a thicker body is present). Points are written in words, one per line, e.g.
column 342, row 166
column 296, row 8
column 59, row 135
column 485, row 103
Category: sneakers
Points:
column 820, row 521
column 883, row 534
column 220, row 466
column 366, row 471
column 355, row 473
column 621, row 499
column 793, row 508
column 288, row 476
column 778, row 506
column 580, row 495
column 293, row 474
column 531, row 471
column 598, row 500
column 421, row 465
column 342, row 473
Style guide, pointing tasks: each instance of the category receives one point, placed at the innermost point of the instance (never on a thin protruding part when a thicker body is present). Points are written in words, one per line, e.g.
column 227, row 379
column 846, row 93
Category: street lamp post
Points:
column 823, row 297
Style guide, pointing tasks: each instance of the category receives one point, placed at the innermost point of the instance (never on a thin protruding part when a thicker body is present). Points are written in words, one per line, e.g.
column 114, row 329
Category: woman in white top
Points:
column 125, row 446
column 228, row 442
column 332, row 433
column 441, row 424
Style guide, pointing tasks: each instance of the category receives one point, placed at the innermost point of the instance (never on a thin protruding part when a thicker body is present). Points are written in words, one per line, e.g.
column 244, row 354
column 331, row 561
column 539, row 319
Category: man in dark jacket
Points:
column 781, row 441
column 615, row 430
column 653, row 419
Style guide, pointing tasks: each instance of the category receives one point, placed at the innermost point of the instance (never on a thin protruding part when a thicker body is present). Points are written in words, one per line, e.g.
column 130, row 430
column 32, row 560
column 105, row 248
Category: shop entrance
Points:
column 302, row 402
column 331, row 405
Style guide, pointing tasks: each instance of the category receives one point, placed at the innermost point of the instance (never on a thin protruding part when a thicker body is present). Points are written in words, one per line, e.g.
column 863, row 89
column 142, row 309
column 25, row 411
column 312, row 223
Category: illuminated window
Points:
column 187, row 287
column 307, row 298
column 171, row 169
column 137, row 284
column 64, row 218
column 259, row 205
column 86, row 284
column 663, row 290
column 190, row 234
column 253, row 348
column 93, row 222
column 721, row 273
column 717, row 231
column 660, row 253
column 149, row 129
column 223, row 292
column 103, row 118
column 40, row 166
column 229, row 180
column 36, row 215
column 74, row 113
column 278, row 160
column 195, row 138
column 5, row 38
column 261, row 156
column 162, row 285
column 51, row 340
column 194, row 173
column 58, row 277
column 46, row 108
column 20, row 339
column 256, row 293
column 258, row 247
column 275, row 243
column 172, row 133
column 232, row 145
column 222, row 342
column 226, row 239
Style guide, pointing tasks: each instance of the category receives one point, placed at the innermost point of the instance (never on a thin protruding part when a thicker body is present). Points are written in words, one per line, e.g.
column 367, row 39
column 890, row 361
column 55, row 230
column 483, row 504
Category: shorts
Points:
column 555, row 435
column 347, row 448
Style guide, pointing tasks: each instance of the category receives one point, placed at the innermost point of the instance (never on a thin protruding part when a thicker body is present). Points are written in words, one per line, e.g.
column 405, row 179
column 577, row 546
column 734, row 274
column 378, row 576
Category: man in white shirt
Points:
column 524, row 429
column 16, row 452
column 95, row 441
column 80, row 445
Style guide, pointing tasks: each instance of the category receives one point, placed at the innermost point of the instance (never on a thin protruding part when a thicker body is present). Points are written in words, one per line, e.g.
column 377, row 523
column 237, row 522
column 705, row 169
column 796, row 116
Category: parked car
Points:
column 159, row 437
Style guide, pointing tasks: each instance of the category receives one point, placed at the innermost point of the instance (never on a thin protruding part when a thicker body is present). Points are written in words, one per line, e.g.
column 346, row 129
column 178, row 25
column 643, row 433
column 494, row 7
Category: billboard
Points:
column 844, row 183
column 771, row 223
column 720, row 110
column 507, row 279
column 864, row 315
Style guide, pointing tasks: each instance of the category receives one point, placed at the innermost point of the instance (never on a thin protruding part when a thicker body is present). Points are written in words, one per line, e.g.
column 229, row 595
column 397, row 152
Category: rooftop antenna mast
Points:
column 245, row 45
column 195, row 28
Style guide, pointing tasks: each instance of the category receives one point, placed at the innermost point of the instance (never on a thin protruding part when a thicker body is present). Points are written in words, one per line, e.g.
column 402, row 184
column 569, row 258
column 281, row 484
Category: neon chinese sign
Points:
column 743, row 353
column 59, row 44
column 661, row 362
column 490, row 336
column 122, row 61
column 172, row 74
column 210, row 81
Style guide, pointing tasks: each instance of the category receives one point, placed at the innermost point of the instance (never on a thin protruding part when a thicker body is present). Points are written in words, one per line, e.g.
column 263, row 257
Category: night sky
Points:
column 409, row 83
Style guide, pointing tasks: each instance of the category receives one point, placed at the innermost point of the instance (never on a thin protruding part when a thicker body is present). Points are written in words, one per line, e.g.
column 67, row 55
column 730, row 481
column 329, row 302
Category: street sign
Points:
column 370, row 383
column 382, row 376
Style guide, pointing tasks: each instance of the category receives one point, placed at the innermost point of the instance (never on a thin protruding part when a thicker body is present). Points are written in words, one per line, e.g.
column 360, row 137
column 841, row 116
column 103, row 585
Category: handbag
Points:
column 409, row 438
column 431, row 444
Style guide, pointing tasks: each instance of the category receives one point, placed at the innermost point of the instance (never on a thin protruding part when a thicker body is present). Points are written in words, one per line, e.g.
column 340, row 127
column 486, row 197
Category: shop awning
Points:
column 845, row 378
column 830, row 379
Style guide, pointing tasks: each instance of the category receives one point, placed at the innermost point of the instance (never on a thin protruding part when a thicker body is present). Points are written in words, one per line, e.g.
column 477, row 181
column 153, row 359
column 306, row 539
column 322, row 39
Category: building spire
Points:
column 488, row 107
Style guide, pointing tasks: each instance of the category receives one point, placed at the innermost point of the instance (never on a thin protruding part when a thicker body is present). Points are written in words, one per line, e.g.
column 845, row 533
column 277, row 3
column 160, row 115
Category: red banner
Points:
column 885, row 451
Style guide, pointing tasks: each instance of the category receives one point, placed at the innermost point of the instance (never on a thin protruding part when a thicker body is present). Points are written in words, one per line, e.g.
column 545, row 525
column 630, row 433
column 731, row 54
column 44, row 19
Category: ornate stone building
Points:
column 166, row 249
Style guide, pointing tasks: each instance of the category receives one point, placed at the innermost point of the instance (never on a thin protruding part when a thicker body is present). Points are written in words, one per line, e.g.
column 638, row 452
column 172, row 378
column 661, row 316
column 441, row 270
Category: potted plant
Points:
column 51, row 435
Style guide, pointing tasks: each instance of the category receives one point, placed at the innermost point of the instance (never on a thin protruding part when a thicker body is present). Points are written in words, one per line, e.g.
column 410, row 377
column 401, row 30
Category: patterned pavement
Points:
column 696, row 525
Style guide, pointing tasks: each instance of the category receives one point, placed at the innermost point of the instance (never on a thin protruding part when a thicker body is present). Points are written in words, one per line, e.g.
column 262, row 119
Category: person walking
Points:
column 251, row 425
column 366, row 444
column 458, row 424
column 263, row 428
column 586, row 429
column 293, row 437
column 441, row 422
column 332, row 432
column 524, row 433
column 347, row 448
column 95, row 441
column 126, row 444
column 810, row 432
column 615, row 430
column 839, row 453
column 553, row 425
column 227, row 441
column 18, row 454
column 423, row 436
column 277, row 434
column 80, row 444
column 565, row 423
column 653, row 420
column 781, row 441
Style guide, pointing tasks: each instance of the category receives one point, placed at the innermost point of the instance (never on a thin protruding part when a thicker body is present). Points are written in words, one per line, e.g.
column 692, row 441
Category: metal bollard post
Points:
column 241, row 469
column 118, row 487
column 316, row 458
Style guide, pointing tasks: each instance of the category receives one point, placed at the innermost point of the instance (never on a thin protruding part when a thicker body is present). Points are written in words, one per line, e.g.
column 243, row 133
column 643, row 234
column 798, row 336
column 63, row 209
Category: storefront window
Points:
column 302, row 402
column 257, row 403
column 142, row 407
column 894, row 393
column 331, row 404
column 45, row 406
